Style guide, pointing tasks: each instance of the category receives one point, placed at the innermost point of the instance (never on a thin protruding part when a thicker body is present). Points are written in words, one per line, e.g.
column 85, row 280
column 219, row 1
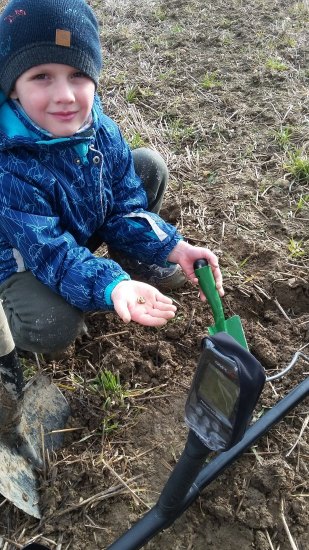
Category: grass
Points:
column 276, row 65
column 210, row 80
column 136, row 141
column 165, row 75
column 136, row 92
column 297, row 166
column 137, row 47
column 296, row 249
column 177, row 29
column 108, row 385
column 160, row 14
column 302, row 203
column 119, row 79
column 131, row 95
column 290, row 42
column 283, row 136
column 29, row 368
column 178, row 131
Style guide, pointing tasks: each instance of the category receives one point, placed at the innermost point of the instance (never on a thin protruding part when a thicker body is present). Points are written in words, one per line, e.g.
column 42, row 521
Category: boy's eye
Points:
column 40, row 76
column 79, row 74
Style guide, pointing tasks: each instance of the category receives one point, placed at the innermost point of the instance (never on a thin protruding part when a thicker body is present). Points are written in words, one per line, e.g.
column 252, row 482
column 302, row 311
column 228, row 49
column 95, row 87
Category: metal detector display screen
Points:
column 218, row 390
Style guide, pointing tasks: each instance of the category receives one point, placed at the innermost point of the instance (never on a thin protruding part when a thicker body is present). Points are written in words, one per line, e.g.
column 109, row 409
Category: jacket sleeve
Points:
column 129, row 226
column 52, row 254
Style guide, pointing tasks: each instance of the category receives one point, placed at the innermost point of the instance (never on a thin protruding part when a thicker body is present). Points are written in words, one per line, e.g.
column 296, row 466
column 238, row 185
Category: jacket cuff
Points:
column 109, row 289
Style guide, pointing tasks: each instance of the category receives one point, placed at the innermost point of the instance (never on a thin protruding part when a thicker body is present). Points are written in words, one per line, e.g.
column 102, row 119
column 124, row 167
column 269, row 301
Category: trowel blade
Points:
column 45, row 410
column 234, row 328
column 18, row 481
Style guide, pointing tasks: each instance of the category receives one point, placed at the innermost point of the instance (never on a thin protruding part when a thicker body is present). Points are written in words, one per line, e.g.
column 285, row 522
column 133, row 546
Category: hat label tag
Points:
column 63, row 38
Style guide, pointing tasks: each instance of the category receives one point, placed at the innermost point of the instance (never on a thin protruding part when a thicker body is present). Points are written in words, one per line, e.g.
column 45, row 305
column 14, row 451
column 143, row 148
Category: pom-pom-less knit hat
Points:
column 34, row 32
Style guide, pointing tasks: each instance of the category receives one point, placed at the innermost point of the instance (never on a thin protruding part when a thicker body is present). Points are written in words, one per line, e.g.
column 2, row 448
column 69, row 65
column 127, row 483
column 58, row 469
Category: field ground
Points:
column 221, row 90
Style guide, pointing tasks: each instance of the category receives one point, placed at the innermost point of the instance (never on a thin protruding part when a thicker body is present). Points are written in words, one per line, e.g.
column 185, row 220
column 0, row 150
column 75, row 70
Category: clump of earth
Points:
column 221, row 91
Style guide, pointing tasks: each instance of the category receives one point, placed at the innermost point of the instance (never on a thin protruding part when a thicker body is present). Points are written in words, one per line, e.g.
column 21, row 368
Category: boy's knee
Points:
column 40, row 320
column 153, row 171
column 49, row 332
column 149, row 164
column 55, row 333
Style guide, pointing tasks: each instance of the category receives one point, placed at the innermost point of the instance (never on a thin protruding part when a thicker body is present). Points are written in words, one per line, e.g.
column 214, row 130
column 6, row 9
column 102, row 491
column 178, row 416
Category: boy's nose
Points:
column 63, row 93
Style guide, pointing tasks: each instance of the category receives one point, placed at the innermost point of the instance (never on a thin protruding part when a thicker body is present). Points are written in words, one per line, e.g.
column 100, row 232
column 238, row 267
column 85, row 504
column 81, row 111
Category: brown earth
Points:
column 221, row 90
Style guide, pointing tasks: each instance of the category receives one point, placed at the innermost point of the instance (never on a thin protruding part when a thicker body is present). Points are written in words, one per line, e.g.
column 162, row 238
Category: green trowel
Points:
column 231, row 326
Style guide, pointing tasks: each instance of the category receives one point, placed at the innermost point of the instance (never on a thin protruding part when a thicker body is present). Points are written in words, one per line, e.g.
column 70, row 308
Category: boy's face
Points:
column 58, row 98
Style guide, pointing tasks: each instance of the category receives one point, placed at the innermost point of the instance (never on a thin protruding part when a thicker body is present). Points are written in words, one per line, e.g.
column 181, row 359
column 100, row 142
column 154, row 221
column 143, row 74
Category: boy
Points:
column 68, row 183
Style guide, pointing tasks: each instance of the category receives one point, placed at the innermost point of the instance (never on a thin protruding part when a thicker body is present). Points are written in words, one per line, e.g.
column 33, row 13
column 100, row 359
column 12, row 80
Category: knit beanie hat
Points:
column 35, row 32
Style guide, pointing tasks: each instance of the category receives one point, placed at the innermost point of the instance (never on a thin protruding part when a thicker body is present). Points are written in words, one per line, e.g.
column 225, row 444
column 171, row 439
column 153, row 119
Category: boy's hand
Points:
column 185, row 255
column 142, row 303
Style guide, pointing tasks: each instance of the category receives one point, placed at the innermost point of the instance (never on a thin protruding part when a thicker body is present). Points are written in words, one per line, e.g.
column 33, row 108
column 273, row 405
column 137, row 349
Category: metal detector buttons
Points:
column 199, row 411
column 211, row 433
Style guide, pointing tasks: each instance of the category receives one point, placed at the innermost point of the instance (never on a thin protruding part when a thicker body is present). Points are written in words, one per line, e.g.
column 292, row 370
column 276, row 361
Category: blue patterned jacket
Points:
column 55, row 193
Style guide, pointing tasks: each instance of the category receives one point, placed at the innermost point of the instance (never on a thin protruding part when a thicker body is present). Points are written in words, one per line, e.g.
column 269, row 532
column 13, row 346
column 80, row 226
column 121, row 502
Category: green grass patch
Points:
column 137, row 47
column 303, row 202
column 178, row 130
column 296, row 249
column 131, row 95
column 136, row 141
column 160, row 14
column 166, row 75
column 211, row 80
column 276, row 65
column 177, row 29
column 297, row 166
column 283, row 136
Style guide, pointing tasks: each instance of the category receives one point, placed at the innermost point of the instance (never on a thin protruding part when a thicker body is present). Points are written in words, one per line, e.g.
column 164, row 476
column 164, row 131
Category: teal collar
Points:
column 14, row 122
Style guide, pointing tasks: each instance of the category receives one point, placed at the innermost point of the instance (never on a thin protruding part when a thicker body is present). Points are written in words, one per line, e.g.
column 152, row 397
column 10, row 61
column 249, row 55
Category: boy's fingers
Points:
column 122, row 311
column 168, row 314
column 151, row 316
column 164, row 307
column 218, row 278
column 202, row 296
column 220, row 289
column 150, row 321
column 162, row 298
column 152, row 311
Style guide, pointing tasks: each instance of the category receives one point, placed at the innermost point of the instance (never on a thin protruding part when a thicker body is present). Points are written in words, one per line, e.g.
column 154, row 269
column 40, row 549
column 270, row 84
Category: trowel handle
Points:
column 207, row 283
column 11, row 374
column 6, row 339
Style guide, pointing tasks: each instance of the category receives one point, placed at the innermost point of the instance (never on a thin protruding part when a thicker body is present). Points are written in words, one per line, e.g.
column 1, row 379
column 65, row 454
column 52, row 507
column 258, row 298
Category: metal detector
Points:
column 223, row 394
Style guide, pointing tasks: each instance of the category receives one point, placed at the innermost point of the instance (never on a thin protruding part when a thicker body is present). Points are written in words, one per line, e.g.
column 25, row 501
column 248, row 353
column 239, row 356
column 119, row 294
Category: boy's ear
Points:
column 13, row 94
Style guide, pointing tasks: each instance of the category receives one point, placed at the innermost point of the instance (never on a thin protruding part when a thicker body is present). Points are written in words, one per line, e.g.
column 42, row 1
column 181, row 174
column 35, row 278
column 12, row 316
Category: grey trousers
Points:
column 40, row 320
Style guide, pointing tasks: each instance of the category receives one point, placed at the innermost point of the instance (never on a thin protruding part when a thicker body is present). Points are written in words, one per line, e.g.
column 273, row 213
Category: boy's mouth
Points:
column 64, row 115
